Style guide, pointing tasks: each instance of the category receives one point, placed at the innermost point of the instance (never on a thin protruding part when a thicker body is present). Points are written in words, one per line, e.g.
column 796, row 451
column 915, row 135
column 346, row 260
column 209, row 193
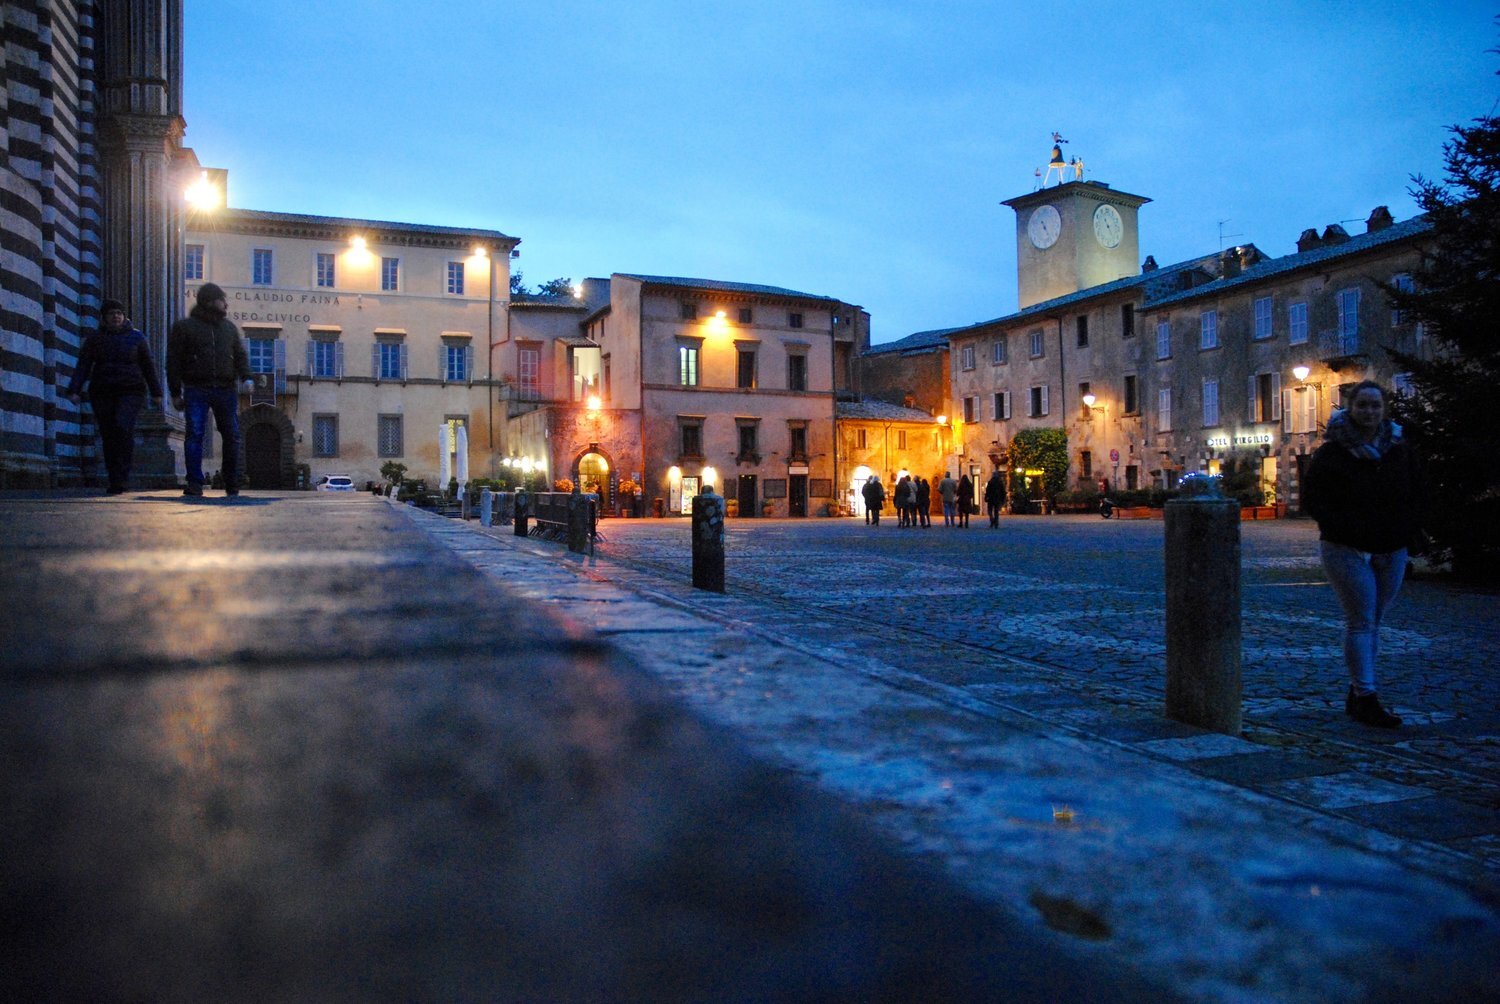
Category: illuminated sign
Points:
column 1240, row 439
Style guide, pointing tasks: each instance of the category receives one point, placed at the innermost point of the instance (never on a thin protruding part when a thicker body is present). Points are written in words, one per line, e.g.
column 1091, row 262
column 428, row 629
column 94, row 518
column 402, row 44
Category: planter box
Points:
column 1257, row 512
column 1076, row 507
column 1139, row 512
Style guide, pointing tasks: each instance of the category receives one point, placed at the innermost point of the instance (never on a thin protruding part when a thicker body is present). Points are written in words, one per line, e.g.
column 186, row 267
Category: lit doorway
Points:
column 857, row 489
column 593, row 476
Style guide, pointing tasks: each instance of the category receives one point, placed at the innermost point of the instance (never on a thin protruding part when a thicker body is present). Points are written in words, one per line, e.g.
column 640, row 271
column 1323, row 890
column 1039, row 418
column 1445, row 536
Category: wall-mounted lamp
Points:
column 710, row 478
column 203, row 195
column 357, row 243
column 1301, row 373
column 480, row 251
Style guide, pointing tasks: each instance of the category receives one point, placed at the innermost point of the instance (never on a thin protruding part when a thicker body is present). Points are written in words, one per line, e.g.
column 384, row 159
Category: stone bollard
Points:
column 708, row 541
column 578, row 521
column 1203, row 607
column 523, row 516
column 486, row 507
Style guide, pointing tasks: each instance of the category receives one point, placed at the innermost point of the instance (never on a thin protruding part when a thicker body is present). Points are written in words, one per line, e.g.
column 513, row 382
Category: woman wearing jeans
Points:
column 1362, row 488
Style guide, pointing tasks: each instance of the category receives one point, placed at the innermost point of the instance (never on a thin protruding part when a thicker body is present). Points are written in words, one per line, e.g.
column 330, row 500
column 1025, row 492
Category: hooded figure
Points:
column 206, row 360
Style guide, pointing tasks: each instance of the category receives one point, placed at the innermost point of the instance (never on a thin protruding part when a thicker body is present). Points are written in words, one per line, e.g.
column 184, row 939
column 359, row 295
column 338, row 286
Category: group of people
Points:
column 912, row 499
column 206, row 367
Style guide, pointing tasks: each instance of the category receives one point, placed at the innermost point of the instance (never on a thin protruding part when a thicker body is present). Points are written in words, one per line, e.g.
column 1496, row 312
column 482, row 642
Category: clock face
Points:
column 1044, row 226
column 1108, row 227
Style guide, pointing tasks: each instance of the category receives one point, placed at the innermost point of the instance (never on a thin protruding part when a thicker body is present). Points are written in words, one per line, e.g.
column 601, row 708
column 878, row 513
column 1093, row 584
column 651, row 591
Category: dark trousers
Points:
column 115, row 415
column 994, row 508
column 223, row 404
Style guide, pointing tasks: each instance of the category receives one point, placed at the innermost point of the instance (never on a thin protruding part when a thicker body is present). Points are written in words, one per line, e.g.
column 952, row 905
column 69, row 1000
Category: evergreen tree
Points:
column 1456, row 297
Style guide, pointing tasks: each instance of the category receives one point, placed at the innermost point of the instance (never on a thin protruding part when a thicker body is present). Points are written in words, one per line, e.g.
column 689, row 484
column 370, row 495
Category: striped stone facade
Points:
column 50, row 217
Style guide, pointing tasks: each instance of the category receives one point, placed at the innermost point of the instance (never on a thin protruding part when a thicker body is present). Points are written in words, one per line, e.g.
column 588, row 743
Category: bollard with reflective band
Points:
column 578, row 521
column 708, row 541
column 522, row 516
column 486, row 507
column 1202, row 555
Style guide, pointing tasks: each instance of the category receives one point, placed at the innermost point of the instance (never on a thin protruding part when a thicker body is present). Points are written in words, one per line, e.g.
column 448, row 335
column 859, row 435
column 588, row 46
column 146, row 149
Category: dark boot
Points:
column 1366, row 709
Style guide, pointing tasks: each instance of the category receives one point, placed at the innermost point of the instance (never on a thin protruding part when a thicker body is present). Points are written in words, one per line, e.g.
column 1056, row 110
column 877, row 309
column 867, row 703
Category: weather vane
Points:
column 1059, row 165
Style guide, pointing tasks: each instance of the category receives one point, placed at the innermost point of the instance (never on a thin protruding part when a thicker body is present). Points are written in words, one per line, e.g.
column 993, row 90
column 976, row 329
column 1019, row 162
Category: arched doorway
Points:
column 267, row 436
column 591, row 473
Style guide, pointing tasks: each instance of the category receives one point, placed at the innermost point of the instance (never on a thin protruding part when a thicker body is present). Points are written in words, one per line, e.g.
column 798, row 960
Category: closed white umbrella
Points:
column 463, row 456
column 445, row 447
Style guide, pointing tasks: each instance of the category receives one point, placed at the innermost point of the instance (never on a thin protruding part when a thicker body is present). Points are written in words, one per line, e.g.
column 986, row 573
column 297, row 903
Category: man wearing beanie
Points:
column 205, row 360
column 115, row 362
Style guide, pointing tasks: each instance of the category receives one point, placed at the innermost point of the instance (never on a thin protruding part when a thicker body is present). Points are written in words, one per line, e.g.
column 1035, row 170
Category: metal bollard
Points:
column 486, row 507
column 708, row 541
column 523, row 516
column 578, row 522
column 1202, row 556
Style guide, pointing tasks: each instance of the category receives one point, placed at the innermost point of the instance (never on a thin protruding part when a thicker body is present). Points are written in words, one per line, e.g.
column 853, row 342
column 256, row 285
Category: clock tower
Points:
column 1074, row 235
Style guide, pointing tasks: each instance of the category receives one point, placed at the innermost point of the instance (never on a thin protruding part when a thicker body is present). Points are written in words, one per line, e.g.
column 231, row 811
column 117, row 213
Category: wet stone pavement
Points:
column 992, row 701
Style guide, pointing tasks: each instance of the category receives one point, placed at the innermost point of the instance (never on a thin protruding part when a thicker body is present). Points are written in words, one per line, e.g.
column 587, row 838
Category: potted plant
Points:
column 562, row 485
column 628, row 491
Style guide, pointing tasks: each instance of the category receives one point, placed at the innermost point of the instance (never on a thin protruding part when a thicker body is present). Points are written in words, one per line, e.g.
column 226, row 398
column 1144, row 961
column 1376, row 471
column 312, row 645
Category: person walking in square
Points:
column 1363, row 488
column 994, row 498
column 206, row 358
column 965, row 499
column 874, row 494
column 948, row 491
column 115, row 365
column 923, row 495
column 901, row 498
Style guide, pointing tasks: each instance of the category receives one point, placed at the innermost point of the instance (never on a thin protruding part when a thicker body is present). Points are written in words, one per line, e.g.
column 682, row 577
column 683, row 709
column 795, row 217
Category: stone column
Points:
column 140, row 135
column 708, row 541
column 578, row 521
column 1203, row 607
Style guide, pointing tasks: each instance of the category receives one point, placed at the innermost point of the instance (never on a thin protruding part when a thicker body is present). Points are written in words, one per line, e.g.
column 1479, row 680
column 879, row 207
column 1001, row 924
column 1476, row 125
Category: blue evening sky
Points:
column 850, row 149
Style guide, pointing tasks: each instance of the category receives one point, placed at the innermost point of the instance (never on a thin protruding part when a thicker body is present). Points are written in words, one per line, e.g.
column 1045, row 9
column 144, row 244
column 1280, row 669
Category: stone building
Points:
column 1224, row 362
column 90, row 129
column 703, row 381
column 888, row 440
column 369, row 338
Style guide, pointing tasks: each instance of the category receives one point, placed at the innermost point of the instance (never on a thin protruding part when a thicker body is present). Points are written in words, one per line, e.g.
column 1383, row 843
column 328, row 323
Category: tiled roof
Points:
column 1414, row 227
column 920, row 341
column 724, row 287
column 880, row 411
column 305, row 219
column 1158, row 282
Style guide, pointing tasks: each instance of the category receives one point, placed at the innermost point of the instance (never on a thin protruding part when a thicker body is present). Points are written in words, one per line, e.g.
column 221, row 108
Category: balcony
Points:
column 1338, row 349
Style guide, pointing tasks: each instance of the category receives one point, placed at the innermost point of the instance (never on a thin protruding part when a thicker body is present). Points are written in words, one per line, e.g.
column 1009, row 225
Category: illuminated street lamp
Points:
column 203, row 195
column 1301, row 373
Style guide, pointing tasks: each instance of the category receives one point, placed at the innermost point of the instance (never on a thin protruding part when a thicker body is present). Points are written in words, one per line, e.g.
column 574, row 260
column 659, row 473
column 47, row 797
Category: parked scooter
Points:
column 1107, row 507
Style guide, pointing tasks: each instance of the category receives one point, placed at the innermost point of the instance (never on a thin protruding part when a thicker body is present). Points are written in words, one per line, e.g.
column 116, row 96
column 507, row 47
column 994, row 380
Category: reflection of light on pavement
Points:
column 233, row 560
column 192, row 726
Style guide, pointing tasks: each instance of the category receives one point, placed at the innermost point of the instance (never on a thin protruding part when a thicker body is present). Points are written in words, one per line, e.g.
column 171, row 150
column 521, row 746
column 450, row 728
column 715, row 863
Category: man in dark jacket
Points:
column 205, row 359
column 994, row 498
column 115, row 362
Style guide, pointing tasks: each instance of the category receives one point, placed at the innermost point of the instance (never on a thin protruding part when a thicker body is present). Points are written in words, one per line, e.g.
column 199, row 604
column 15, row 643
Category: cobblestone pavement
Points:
column 1302, row 861
column 1062, row 618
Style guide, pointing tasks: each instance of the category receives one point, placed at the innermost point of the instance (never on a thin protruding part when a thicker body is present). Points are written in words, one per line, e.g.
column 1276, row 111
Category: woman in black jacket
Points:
column 115, row 365
column 1362, row 487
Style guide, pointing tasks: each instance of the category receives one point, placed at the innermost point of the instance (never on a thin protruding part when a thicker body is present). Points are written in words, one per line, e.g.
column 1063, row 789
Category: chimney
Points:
column 1334, row 234
column 1249, row 256
column 1308, row 240
column 1380, row 218
column 1229, row 263
column 1150, row 264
